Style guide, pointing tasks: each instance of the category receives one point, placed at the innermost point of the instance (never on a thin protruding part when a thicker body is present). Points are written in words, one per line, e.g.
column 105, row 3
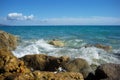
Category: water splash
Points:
column 74, row 49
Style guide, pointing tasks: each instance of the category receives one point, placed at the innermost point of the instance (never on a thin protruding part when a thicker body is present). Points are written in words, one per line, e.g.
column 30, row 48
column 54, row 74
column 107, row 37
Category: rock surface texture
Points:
column 78, row 65
column 7, row 40
column 37, row 75
column 108, row 71
column 9, row 63
column 43, row 62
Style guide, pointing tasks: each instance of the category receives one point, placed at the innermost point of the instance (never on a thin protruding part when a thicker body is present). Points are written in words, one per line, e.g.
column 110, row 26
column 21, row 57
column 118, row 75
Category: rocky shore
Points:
column 44, row 67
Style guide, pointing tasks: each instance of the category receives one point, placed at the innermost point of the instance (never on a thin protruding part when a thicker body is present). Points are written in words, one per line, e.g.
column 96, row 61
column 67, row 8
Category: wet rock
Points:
column 108, row 71
column 9, row 63
column 7, row 40
column 78, row 65
column 101, row 46
column 57, row 43
column 37, row 75
column 106, row 48
column 43, row 62
column 35, row 62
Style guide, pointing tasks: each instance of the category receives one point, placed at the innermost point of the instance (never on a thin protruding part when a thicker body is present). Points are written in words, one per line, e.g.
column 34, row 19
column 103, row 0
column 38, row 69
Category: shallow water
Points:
column 34, row 40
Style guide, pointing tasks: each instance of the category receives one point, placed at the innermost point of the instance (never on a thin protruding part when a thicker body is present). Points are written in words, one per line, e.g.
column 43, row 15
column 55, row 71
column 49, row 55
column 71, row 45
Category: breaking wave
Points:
column 73, row 48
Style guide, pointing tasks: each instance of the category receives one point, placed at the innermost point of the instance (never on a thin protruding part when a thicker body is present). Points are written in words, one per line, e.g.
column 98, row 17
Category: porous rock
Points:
column 37, row 75
column 9, row 63
column 8, row 41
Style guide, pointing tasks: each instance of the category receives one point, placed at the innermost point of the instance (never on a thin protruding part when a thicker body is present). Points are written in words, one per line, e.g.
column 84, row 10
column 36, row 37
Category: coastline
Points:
column 39, row 66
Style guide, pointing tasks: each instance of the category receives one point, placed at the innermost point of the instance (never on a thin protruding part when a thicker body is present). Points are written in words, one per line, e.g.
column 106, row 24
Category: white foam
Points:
column 116, row 50
column 92, row 54
column 33, row 47
column 97, row 56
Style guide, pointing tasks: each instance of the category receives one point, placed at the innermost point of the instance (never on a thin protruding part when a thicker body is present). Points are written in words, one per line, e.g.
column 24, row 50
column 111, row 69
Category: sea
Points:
column 34, row 40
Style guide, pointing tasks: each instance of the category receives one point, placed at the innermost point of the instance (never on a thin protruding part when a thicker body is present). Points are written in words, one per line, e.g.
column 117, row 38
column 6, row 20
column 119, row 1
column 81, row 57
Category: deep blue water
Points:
column 34, row 40
column 108, row 35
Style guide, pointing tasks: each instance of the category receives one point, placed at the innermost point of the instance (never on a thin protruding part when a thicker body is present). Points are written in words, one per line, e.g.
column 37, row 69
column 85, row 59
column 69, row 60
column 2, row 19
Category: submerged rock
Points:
column 43, row 62
column 7, row 40
column 101, row 46
column 78, row 65
column 106, row 48
column 108, row 71
column 57, row 43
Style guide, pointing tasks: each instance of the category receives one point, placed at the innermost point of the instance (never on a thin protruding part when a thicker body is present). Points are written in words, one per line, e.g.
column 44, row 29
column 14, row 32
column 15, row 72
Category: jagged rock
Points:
column 57, row 43
column 37, row 75
column 43, row 62
column 108, row 71
column 78, row 65
column 7, row 40
column 9, row 63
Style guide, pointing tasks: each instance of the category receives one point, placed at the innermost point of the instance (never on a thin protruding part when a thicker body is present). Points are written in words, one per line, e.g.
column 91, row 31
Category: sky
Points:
column 60, row 12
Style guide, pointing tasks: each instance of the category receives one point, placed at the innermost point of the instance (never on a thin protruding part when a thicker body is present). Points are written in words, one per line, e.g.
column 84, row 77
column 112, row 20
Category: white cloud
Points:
column 20, row 19
column 19, row 16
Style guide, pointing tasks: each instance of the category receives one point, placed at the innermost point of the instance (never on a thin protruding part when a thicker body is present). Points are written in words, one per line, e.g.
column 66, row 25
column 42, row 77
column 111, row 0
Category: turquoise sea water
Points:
column 34, row 39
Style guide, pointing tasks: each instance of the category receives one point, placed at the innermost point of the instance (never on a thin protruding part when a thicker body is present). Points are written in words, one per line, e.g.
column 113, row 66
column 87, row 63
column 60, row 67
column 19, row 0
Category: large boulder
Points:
column 57, row 43
column 7, row 40
column 108, row 71
column 43, row 62
column 78, row 65
column 9, row 63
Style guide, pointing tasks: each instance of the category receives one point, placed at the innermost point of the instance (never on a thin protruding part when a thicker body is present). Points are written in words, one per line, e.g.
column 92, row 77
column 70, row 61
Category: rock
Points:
column 37, row 75
column 57, row 43
column 25, row 76
column 8, row 76
column 43, row 62
column 101, row 46
column 108, row 71
column 7, row 40
column 78, row 65
column 106, row 48
column 9, row 63
column 35, row 62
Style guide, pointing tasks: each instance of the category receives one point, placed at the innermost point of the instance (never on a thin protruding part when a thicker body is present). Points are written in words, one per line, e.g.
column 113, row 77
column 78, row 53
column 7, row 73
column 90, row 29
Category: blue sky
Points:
column 60, row 12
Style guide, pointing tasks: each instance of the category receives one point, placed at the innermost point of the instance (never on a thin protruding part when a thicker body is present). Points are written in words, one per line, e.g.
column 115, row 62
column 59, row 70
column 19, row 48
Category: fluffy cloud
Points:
column 19, row 16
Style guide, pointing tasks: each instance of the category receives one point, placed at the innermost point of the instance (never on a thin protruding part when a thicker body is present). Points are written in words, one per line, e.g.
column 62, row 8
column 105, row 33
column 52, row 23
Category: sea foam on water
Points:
column 92, row 54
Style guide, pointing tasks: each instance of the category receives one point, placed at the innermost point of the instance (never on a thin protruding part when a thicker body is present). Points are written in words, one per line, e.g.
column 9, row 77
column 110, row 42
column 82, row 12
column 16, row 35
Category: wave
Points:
column 73, row 48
